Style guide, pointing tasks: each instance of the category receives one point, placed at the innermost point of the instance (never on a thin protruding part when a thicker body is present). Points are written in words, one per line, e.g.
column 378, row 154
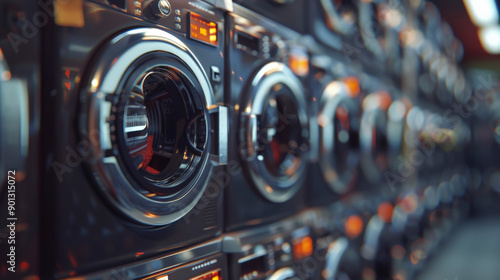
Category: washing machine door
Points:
column 148, row 112
column 274, row 132
column 338, row 120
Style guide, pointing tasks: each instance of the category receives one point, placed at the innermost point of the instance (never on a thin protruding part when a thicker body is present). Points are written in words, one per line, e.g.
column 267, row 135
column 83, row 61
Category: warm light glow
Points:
column 162, row 277
column 380, row 99
column 385, row 100
column 6, row 75
column 151, row 215
column 409, row 203
column 384, row 211
column 490, row 38
column 352, row 84
column 482, row 12
column 333, row 89
column 269, row 189
column 353, row 226
column 393, row 18
column 95, row 83
column 299, row 63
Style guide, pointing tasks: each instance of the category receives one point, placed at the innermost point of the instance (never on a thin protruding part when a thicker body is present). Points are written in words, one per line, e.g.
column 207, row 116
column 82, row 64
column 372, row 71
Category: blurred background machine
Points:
column 247, row 140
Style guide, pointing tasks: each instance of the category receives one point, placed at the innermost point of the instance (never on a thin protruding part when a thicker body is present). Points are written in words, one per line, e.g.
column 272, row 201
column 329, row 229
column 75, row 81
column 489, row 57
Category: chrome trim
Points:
column 14, row 121
column 282, row 274
column 154, row 265
column 269, row 75
column 250, row 124
column 333, row 257
column 117, row 56
column 222, row 112
column 235, row 242
column 335, row 21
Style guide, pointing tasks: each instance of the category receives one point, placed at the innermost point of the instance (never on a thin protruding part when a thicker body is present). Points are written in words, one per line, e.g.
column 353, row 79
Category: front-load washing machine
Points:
column 132, row 131
column 335, row 121
column 269, row 123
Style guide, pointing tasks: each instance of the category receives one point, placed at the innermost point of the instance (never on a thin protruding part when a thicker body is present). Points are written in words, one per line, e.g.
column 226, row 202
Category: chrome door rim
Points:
column 111, row 68
column 268, row 76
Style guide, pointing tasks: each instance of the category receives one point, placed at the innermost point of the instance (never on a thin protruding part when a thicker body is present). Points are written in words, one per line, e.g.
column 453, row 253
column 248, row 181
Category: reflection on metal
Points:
column 14, row 121
column 335, row 253
column 276, row 102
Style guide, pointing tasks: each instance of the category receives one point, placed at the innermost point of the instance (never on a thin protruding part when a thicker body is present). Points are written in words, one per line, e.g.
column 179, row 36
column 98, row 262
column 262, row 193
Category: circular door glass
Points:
column 159, row 128
column 280, row 133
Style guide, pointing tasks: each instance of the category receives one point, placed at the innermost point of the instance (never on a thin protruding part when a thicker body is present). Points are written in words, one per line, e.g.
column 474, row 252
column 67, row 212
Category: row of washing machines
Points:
column 217, row 139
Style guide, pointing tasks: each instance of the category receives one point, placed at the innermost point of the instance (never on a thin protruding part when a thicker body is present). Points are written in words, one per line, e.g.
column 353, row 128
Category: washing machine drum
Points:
column 145, row 110
column 274, row 132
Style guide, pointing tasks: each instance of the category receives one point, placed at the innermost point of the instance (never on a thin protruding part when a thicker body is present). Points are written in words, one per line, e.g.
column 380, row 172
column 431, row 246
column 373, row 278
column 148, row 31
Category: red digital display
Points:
column 203, row 30
column 214, row 275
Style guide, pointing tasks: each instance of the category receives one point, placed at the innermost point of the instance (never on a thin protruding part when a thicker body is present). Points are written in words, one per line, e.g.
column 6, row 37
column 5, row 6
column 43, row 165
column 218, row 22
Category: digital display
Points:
column 203, row 30
column 214, row 275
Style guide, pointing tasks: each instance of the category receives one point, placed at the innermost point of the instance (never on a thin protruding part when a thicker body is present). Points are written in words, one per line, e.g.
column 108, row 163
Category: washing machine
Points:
column 335, row 121
column 133, row 131
column 269, row 122
column 201, row 262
